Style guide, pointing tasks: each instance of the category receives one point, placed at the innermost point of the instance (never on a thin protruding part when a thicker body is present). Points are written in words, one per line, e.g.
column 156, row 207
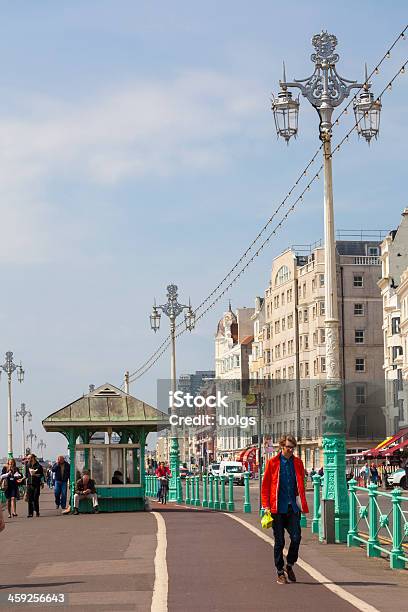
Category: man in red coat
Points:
column 283, row 493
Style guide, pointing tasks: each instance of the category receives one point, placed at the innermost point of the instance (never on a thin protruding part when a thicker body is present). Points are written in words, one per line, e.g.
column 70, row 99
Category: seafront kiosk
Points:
column 106, row 432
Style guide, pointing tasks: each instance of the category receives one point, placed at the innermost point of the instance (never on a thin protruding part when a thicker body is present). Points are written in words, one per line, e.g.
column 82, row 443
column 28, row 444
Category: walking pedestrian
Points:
column 365, row 474
column 374, row 474
column 283, row 494
column 61, row 470
column 10, row 479
column 34, row 474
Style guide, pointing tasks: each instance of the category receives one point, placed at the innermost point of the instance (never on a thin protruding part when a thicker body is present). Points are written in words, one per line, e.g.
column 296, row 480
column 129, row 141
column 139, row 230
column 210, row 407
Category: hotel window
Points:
column 323, row 364
column 314, row 339
column 359, row 336
column 306, row 342
column 284, row 351
column 315, row 367
column 322, row 308
column 395, row 325
column 360, row 394
column 360, row 364
column 290, row 321
column 283, row 324
column 282, row 298
column 305, row 316
column 313, row 284
column 300, row 342
column 277, row 327
column 358, row 280
column 307, row 370
column 321, row 280
column 322, row 336
column 304, row 290
column 301, row 370
column 314, row 312
column 359, row 310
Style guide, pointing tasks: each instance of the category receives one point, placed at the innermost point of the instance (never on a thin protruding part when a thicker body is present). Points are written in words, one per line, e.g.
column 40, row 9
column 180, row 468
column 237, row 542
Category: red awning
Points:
column 250, row 455
column 378, row 451
column 241, row 455
column 387, row 452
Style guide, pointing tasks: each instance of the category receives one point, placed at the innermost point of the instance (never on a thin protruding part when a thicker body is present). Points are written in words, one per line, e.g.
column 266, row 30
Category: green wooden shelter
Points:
column 106, row 432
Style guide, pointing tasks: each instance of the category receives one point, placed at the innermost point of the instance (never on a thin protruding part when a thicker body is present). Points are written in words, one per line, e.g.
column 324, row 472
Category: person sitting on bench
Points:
column 85, row 489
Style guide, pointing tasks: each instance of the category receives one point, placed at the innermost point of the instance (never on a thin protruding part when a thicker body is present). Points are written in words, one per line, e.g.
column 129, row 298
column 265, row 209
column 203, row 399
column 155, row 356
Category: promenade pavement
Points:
column 182, row 559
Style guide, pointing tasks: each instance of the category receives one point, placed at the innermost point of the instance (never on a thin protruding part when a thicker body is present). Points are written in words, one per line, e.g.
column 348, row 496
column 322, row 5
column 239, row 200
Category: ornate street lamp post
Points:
column 41, row 445
column 23, row 413
column 325, row 89
column 31, row 436
column 9, row 367
column 172, row 309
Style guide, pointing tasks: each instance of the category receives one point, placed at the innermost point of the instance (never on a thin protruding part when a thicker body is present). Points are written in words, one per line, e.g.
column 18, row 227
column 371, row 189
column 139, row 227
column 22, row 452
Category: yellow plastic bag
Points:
column 266, row 520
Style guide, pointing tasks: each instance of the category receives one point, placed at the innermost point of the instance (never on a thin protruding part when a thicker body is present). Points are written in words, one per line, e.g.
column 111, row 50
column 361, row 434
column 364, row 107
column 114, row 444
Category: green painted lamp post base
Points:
column 334, row 461
column 174, row 469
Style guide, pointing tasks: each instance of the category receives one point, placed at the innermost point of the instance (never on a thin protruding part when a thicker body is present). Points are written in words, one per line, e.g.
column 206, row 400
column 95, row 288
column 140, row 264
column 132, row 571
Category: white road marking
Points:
column 161, row 579
column 361, row 605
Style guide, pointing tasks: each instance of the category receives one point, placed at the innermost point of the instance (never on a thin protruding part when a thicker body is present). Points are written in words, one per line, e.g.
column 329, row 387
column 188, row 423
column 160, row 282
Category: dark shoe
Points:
column 37, row 513
column 56, row 506
column 281, row 579
column 76, row 511
column 96, row 510
column 29, row 516
column 290, row 573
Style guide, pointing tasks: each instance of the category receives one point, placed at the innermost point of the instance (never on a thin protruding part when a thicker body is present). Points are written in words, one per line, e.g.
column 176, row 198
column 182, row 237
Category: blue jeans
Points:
column 291, row 522
column 60, row 492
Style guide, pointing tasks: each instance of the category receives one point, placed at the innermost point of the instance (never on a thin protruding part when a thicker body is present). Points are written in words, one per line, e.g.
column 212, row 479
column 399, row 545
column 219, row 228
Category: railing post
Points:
column 205, row 491
column 197, row 491
column 150, row 485
column 231, row 505
column 303, row 519
column 147, row 485
column 188, row 500
column 372, row 542
column 247, row 499
column 179, row 491
column 216, row 493
column 223, row 503
column 397, row 550
column 211, row 496
column 352, row 532
column 316, row 503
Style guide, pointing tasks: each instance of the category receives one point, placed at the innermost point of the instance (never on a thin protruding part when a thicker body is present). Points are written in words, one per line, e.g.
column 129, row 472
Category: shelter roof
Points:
column 106, row 407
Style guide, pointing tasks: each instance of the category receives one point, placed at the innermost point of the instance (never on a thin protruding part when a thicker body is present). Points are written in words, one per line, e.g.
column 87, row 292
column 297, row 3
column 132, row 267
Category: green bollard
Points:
column 197, row 491
column 205, row 491
column 247, row 499
column 216, row 493
column 150, row 485
column 397, row 550
column 192, row 491
column 147, row 485
column 179, row 491
column 231, row 505
column 187, row 489
column 211, row 495
column 352, row 532
column 372, row 542
column 223, row 503
column 303, row 519
column 316, row 503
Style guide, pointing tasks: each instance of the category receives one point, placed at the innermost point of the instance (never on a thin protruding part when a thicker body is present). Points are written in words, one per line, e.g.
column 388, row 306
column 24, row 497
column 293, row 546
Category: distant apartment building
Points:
column 294, row 345
column 233, row 345
column 393, row 285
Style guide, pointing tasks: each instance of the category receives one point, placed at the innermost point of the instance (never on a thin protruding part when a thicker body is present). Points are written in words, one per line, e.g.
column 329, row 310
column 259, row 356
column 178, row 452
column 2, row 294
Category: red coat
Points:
column 270, row 484
column 163, row 471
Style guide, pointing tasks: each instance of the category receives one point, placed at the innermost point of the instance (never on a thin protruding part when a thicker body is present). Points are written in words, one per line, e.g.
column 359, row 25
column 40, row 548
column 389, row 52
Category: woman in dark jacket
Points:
column 34, row 474
column 11, row 478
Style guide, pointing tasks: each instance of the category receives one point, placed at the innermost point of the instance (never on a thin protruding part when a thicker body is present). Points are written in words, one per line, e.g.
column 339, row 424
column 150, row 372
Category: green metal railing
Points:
column 381, row 531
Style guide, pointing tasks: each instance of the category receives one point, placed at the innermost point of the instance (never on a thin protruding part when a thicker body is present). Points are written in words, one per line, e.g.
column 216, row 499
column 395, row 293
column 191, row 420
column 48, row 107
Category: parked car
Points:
column 398, row 479
column 184, row 472
column 235, row 468
column 214, row 469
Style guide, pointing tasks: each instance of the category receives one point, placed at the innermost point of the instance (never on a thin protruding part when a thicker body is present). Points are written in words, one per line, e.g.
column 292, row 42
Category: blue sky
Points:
column 137, row 148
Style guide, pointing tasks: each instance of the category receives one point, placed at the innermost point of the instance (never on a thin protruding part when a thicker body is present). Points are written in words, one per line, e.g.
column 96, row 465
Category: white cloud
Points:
column 145, row 129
